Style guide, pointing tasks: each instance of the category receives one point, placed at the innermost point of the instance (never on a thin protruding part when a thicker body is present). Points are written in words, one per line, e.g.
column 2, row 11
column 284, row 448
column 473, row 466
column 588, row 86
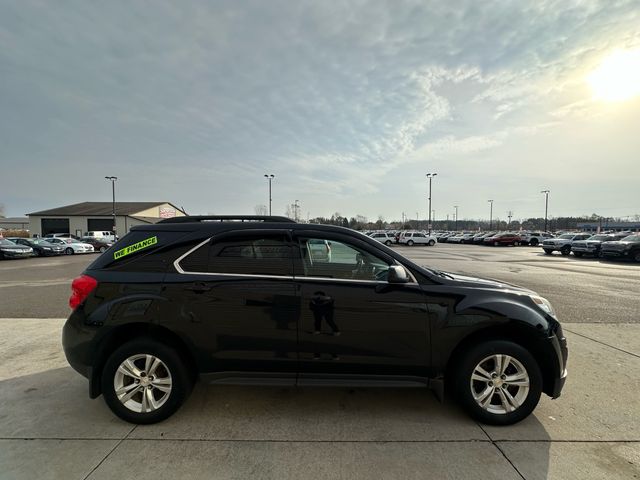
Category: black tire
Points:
column 387, row 243
column 565, row 250
column 103, row 249
column 495, row 244
column 463, row 383
column 181, row 380
column 432, row 243
column 68, row 251
column 635, row 256
column 577, row 254
column 548, row 251
column 534, row 242
column 410, row 243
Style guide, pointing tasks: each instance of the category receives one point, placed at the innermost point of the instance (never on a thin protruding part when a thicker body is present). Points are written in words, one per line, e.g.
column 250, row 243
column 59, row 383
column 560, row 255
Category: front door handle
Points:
column 198, row 288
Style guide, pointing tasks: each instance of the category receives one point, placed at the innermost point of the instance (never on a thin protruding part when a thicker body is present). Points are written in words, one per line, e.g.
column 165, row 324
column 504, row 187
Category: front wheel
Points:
column 495, row 244
column 68, row 251
column 498, row 382
column 432, row 243
column 410, row 243
column 636, row 256
column 565, row 250
column 145, row 381
column 103, row 249
column 533, row 242
column 387, row 243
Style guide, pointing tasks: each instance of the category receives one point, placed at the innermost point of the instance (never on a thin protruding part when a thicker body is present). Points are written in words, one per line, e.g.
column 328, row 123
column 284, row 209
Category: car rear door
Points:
column 352, row 321
column 237, row 287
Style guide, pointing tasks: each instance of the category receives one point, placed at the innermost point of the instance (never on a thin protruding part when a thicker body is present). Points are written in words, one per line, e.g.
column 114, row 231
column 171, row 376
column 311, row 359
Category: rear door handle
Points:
column 198, row 288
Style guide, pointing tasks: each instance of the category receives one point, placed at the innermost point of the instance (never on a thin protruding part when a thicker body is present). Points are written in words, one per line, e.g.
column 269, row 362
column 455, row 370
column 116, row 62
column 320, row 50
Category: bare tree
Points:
column 261, row 209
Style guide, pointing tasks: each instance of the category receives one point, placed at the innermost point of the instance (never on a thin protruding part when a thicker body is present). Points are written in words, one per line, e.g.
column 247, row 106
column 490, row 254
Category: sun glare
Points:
column 617, row 78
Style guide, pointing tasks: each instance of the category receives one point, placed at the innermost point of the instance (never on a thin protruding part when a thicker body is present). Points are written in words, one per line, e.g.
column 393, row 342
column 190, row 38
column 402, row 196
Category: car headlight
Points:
column 46, row 248
column 544, row 305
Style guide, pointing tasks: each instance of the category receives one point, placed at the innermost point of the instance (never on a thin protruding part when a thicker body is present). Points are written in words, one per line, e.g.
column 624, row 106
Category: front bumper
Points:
column 614, row 253
column 12, row 254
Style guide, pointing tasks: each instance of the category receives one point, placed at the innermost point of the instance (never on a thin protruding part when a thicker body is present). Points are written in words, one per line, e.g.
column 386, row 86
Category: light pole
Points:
column 509, row 215
column 269, row 177
column 296, row 208
column 490, row 214
column 546, row 207
column 113, row 200
column 456, row 219
column 433, row 216
column 430, row 177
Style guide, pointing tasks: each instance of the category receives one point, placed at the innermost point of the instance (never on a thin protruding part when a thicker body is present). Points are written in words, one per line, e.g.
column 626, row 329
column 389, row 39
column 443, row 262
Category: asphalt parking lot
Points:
column 49, row 427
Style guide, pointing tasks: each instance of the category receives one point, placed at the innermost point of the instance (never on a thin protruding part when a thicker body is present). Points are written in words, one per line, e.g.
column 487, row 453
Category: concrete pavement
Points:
column 50, row 429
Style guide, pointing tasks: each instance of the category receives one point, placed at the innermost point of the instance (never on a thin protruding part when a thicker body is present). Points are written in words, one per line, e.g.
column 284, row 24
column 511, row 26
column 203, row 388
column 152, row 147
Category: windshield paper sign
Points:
column 135, row 247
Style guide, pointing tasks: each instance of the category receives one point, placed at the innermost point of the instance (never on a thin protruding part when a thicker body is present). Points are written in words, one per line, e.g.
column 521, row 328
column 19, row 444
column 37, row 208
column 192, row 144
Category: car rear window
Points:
column 136, row 246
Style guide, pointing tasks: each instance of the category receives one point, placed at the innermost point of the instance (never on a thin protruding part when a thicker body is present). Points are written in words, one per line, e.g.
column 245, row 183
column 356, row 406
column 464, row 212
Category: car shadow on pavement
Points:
column 54, row 405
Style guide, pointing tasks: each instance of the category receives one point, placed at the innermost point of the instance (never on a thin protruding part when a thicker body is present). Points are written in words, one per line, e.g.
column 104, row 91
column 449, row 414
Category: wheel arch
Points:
column 121, row 334
column 521, row 334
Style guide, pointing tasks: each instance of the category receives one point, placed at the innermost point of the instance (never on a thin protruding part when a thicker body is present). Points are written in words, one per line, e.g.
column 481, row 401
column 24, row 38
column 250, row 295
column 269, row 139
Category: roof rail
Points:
column 227, row 218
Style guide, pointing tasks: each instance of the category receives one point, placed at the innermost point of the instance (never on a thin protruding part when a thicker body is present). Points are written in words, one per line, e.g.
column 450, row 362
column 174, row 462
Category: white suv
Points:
column 417, row 238
column 382, row 237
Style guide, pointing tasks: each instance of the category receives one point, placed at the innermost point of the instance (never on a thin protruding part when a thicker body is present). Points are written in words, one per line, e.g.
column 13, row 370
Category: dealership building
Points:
column 84, row 217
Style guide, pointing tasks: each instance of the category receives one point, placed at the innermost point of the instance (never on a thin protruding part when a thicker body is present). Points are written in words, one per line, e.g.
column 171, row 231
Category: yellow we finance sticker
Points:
column 135, row 247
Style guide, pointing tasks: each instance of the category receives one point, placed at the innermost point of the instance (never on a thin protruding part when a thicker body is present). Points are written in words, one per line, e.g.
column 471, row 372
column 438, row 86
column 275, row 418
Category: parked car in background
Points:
column 535, row 238
column 319, row 250
column 417, row 238
column 592, row 245
column 98, row 244
column 71, row 245
column 503, row 239
column 444, row 238
column 457, row 238
column 383, row 237
column 628, row 247
column 479, row 239
column 9, row 249
column 61, row 235
column 107, row 237
column 40, row 246
column 562, row 243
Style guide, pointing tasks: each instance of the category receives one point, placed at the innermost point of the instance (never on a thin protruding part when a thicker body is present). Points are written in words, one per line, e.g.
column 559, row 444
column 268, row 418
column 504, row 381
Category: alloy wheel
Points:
column 142, row 383
column 499, row 384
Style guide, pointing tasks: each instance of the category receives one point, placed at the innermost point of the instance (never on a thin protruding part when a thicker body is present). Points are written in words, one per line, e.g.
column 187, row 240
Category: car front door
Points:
column 352, row 321
column 237, row 290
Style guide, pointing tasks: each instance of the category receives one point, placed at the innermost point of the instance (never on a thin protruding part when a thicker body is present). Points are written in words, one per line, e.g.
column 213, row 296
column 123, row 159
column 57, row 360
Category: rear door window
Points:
column 242, row 254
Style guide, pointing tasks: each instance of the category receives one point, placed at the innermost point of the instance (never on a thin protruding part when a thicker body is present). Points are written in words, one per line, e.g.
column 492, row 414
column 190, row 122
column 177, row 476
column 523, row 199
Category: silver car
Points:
column 71, row 245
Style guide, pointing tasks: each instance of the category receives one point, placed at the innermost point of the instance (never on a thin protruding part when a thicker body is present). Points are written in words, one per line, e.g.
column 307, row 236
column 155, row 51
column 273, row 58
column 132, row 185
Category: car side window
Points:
column 244, row 255
column 335, row 259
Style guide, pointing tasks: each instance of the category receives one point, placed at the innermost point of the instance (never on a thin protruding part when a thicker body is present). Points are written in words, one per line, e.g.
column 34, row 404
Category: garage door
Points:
column 99, row 224
column 54, row 225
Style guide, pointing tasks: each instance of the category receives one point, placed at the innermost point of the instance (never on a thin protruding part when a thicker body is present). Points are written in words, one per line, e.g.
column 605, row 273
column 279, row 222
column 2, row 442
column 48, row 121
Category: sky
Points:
column 348, row 103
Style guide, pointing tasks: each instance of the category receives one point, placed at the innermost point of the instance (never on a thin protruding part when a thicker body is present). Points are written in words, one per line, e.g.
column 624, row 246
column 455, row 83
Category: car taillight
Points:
column 81, row 287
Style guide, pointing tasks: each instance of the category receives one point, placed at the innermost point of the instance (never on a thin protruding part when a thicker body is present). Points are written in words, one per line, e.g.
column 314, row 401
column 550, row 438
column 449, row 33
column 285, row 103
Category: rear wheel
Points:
column 145, row 381
column 498, row 382
column 410, row 243
column 432, row 243
column 548, row 251
column 565, row 250
column 68, row 251
column 495, row 244
column 387, row 243
column 533, row 242
column 103, row 249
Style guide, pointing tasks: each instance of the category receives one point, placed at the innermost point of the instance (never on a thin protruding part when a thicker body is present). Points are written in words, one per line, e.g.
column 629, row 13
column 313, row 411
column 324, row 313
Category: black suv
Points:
column 263, row 300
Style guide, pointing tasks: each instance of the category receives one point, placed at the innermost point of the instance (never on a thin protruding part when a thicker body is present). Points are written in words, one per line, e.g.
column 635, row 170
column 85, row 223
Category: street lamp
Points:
column 490, row 214
column 456, row 219
column 430, row 177
column 269, row 177
column 113, row 197
column 546, row 207
column 296, row 208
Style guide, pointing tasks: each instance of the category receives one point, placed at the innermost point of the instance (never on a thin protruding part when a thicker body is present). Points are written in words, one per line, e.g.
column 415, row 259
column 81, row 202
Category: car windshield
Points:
column 600, row 237
column 632, row 238
column 4, row 241
column 567, row 236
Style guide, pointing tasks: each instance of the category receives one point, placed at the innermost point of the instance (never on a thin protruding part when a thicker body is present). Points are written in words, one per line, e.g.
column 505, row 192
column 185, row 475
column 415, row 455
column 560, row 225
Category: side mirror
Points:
column 397, row 274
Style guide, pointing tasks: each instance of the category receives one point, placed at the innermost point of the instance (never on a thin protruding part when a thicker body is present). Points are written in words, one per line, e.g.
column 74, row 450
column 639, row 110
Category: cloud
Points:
column 339, row 96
